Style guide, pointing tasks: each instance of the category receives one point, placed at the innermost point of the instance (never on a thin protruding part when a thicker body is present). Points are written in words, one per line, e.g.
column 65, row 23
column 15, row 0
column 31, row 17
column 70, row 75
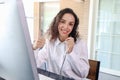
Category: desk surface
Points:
column 43, row 77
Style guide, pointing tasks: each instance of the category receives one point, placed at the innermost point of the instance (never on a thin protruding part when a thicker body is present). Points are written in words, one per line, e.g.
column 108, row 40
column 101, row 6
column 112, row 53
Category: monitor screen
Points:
column 17, row 61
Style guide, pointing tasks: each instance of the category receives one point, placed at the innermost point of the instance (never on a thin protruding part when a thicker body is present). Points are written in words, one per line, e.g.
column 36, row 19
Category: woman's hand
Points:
column 39, row 43
column 69, row 44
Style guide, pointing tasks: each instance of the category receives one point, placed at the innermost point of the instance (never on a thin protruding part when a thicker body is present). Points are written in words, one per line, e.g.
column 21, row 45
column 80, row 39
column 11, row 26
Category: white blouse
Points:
column 73, row 65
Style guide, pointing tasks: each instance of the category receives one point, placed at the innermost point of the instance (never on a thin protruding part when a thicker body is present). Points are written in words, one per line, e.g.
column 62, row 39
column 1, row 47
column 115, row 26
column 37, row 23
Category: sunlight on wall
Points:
column 3, row 17
column 29, row 8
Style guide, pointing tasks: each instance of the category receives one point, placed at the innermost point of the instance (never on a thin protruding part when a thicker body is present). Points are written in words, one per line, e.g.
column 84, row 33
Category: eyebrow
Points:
column 65, row 20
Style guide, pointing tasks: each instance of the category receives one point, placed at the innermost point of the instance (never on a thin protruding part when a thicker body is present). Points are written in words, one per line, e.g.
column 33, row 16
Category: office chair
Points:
column 94, row 69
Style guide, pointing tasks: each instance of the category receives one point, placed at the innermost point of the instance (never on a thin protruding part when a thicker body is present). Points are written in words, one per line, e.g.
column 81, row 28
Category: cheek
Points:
column 59, row 28
column 70, row 29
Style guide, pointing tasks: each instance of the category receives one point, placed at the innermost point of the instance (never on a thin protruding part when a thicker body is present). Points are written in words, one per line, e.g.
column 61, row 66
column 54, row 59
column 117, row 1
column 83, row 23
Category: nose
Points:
column 65, row 25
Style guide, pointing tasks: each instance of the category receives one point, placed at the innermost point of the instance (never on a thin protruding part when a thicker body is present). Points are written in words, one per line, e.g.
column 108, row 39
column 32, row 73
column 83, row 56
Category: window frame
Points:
column 93, row 14
column 39, row 19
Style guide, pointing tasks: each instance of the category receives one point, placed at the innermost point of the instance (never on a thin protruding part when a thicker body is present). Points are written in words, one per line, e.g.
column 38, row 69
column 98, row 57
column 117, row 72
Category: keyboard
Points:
column 46, row 75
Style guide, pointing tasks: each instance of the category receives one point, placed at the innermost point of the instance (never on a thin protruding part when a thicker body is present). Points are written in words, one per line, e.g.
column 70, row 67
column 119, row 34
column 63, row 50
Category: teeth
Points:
column 64, row 31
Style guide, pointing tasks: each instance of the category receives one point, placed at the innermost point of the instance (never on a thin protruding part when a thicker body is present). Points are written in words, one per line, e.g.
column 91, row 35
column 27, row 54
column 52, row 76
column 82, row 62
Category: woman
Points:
column 65, row 53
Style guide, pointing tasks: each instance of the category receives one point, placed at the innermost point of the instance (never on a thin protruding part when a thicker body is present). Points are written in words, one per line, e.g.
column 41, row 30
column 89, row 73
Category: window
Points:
column 107, row 36
column 29, row 11
column 48, row 12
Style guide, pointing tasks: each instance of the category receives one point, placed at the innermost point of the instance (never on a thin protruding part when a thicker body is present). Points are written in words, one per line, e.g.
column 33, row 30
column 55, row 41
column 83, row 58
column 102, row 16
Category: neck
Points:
column 62, row 39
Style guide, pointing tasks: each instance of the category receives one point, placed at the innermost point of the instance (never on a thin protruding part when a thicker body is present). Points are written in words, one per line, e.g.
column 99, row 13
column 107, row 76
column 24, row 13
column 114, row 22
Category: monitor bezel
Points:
column 27, row 36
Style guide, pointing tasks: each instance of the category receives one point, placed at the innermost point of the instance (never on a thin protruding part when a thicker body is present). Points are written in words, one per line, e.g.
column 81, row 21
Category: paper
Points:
column 43, row 77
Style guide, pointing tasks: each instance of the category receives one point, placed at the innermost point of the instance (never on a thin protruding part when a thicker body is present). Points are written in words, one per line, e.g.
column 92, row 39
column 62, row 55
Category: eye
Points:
column 62, row 21
column 71, row 24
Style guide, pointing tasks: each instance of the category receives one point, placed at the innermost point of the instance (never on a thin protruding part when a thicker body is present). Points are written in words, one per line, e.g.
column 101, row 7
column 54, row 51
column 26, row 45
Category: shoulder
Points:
column 81, row 42
column 81, row 46
column 49, row 43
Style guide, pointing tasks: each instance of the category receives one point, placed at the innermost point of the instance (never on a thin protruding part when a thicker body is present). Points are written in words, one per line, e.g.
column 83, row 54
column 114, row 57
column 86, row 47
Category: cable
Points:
column 60, row 78
column 62, row 64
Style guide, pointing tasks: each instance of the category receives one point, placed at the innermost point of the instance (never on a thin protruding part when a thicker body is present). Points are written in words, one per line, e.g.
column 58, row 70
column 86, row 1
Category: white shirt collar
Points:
column 57, row 42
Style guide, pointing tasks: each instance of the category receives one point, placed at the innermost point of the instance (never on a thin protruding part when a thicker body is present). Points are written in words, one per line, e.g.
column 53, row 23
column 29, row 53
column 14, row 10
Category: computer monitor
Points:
column 17, row 61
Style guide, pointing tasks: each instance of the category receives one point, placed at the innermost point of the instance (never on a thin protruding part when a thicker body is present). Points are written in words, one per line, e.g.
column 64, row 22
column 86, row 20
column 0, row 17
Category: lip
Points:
column 65, row 31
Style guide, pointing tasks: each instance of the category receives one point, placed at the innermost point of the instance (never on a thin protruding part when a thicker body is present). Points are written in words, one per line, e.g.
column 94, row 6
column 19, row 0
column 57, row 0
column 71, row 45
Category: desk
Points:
column 46, row 75
column 43, row 77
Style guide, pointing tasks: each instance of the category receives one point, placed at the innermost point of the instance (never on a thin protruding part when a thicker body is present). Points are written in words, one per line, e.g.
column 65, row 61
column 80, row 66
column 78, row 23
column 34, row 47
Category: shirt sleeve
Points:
column 41, row 55
column 78, row 59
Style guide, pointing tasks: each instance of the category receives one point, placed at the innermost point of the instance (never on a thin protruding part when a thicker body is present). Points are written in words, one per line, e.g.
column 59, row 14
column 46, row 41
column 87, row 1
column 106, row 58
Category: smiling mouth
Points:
column 64, row 31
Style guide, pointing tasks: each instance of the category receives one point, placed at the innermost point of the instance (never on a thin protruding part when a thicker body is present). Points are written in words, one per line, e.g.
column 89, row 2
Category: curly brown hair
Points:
column 54, row 25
